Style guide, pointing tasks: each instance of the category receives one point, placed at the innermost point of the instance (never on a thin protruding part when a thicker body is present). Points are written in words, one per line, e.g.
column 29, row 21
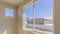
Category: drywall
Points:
column 57, row 16
column 7, row 24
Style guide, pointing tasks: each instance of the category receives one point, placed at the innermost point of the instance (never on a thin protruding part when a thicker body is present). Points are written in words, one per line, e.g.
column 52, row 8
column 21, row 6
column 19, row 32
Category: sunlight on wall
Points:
column 5, row 32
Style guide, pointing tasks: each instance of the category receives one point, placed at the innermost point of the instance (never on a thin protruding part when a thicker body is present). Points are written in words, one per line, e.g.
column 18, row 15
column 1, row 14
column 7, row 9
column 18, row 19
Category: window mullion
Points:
column 33, row 12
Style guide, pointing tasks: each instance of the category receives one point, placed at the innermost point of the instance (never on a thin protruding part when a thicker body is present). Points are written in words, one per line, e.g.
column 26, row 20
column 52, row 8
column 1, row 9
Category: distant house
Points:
column 46, row 21
column 41, row 21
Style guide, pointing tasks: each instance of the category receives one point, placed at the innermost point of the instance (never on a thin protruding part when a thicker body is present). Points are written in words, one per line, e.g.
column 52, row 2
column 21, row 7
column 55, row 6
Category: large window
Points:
column 39, row 17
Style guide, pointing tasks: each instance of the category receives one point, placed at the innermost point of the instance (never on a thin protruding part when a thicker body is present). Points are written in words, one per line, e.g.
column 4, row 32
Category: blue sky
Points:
column 43, row 9
column 9, row 12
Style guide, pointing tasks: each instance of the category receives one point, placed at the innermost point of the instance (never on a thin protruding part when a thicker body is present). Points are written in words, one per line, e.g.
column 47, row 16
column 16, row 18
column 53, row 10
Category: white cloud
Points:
column 50, row 17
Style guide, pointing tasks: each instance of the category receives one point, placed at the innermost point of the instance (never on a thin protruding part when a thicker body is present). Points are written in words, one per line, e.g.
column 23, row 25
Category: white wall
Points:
column 7, row 24
column 57, row 16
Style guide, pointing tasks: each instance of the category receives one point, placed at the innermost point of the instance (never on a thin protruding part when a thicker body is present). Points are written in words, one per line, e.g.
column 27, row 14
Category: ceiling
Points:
column 13, row 2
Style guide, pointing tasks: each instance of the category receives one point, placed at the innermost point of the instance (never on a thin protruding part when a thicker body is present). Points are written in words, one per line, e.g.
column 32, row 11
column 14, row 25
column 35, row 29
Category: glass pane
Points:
column 9, row 12
column 28, row 16
column 38, row 17
column 44, row 16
